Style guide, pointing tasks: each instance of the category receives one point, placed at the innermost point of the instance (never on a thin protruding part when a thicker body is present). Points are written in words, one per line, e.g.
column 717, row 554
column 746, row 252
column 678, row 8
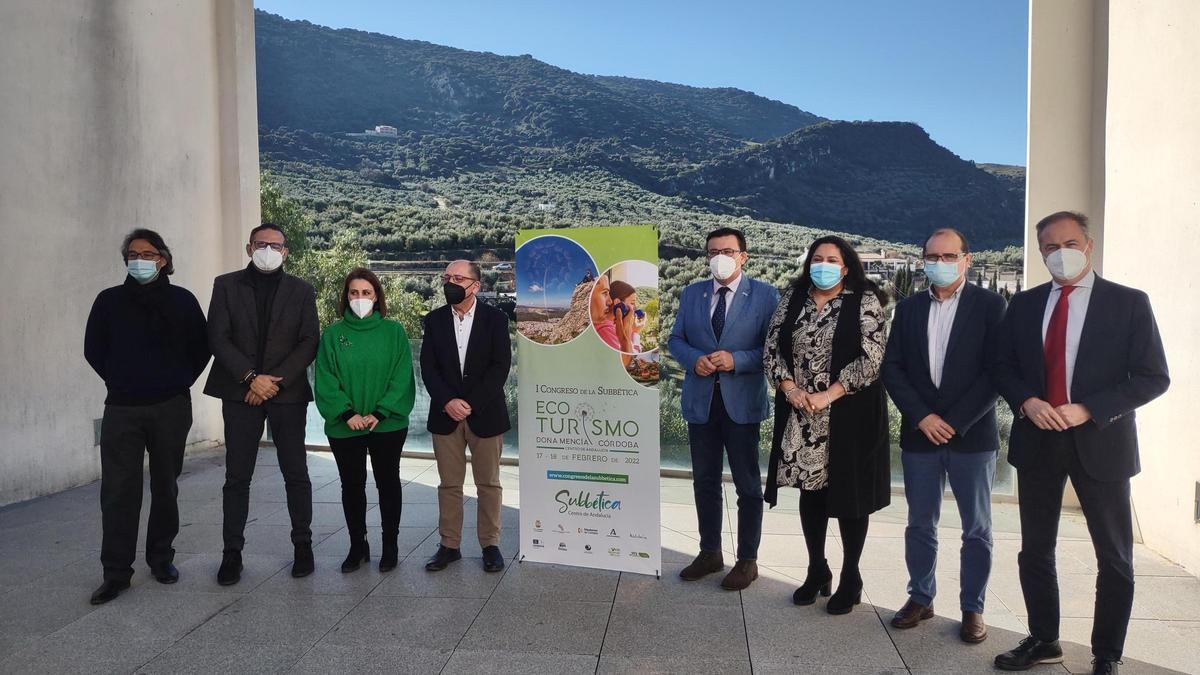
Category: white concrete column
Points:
column 1065, row 156
column 115, row 115
column 1152, row 216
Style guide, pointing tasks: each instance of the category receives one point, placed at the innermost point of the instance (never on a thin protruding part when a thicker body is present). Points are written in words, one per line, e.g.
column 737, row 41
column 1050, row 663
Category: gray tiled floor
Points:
column 531, row 618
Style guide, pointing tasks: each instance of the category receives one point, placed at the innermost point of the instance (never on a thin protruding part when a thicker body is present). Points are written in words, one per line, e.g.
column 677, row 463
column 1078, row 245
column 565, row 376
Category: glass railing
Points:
column 675, row 453
column 418, row 438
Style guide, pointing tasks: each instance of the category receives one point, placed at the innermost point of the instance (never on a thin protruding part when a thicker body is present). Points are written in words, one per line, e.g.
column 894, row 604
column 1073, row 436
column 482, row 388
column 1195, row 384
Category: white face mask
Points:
column 362, row 307
column 267, row 259
column 1066, row 263
column 722, row 267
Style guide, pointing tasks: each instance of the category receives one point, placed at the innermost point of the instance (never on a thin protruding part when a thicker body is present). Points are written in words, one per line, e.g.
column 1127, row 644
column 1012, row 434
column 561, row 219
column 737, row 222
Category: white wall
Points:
column 115, row 115
column 1152, row 212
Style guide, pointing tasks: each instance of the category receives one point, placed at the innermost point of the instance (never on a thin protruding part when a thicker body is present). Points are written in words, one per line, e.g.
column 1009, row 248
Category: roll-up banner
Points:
column 587, row 386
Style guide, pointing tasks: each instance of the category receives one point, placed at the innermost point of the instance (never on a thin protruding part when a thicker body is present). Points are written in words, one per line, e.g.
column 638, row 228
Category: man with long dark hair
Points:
column 718, row 340
column 146, row 339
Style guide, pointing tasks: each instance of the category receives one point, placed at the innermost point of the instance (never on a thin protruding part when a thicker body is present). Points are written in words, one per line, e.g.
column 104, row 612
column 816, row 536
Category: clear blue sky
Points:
column 956, row 67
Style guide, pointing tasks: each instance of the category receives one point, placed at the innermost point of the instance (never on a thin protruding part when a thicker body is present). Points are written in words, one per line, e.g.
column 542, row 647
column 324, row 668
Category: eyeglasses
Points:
column 456, row 278
column 714, row 252
column 260, row 245
column 144, row 255
column 945, row 257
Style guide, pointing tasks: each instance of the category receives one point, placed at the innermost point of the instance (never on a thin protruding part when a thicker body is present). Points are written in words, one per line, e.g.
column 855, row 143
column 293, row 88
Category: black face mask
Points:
column 454, row 293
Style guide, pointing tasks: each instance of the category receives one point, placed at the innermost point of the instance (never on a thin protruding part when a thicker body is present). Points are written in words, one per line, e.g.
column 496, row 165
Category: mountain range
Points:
column 717, row 150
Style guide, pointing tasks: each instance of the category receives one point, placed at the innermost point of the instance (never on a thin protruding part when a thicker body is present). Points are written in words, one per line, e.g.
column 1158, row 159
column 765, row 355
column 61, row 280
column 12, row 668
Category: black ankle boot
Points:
column 391, row 554
column 849, row 594
column 818, row 580
column 360, row 552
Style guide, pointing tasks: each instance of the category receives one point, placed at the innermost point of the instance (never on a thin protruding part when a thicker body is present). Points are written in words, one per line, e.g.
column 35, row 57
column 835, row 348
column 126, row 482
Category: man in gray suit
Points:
column 263, row 330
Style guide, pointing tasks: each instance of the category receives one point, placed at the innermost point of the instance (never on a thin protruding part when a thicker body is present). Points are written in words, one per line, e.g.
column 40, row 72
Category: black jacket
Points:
column 480, row 383
column 291, row 341
column 147, row 343
column 1120, row 366
column 967, row 397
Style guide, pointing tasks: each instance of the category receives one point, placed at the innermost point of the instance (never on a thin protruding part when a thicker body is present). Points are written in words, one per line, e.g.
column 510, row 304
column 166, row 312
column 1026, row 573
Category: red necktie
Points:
column 1055, row 350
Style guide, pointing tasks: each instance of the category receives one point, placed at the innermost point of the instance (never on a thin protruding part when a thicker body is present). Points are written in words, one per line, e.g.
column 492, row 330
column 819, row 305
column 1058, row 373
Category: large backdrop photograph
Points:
column 407, row 154
column 552, row 336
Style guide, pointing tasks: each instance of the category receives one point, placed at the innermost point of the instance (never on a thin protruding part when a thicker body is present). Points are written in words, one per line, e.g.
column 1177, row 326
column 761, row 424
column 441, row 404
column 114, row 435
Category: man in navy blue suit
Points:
column 1077, row 357
column 936, row 371
column 718, row 339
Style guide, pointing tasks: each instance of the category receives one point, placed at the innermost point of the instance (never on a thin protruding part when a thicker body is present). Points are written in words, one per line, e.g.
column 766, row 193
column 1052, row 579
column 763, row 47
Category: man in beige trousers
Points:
column 465, row 358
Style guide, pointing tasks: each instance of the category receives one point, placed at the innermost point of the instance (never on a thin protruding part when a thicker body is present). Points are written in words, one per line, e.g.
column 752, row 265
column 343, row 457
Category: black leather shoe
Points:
column 360, row 553
column 1030, row 653
column 108, row 590
column 1104, row 667
column 847, row 595
column 442, row 558
column 231, row 568
column 165, row 573
column 303, row 564
column 493, row 560
column 818, row 580
column 390, row 556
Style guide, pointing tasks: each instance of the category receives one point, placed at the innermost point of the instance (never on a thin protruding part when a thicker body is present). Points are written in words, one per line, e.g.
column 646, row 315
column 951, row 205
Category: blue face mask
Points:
column 144, row 271
column 941, row 274
column 825, row 275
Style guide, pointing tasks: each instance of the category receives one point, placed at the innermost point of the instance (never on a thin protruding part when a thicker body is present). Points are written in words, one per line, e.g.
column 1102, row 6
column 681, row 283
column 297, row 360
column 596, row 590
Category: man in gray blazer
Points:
column 263, row 331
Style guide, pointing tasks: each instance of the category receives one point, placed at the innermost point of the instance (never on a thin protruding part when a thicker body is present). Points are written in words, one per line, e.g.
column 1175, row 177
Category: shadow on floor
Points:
column 532, row 617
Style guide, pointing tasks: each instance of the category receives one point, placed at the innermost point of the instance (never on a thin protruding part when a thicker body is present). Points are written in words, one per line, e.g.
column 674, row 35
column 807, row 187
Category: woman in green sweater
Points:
column 365, row 391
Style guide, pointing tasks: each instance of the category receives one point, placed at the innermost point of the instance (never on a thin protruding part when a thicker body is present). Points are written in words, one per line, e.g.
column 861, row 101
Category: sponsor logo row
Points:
column 611, row 533
column 613, row 551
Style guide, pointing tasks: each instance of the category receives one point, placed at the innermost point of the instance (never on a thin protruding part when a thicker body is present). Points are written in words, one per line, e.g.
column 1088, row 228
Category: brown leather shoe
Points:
column 705, row 564
column 740, row 577
column 911, row 614
column 974, row 630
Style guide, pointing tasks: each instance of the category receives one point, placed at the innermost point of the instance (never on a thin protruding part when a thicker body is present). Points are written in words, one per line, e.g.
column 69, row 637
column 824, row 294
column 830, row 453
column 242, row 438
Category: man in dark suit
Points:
column 263, row 330
column 465, row 358
column 1077, row 357
column 936, row 371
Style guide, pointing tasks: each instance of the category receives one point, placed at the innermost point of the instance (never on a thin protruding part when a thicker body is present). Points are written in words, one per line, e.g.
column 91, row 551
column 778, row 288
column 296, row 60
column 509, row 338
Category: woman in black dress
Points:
column 823, row 354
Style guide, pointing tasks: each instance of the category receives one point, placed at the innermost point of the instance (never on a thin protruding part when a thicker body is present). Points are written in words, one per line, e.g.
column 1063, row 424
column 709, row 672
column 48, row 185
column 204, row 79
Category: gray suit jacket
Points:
column 291, row 344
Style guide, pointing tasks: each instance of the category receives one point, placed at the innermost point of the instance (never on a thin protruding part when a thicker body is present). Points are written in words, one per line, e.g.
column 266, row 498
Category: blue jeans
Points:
column 709, row 443
column 971, row 475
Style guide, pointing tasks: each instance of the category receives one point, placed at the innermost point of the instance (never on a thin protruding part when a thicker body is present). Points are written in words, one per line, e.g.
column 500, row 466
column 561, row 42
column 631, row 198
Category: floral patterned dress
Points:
column 805, row 444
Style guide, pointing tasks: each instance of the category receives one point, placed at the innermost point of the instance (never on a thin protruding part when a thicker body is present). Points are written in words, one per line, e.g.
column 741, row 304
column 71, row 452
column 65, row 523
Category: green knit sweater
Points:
column 364, row 366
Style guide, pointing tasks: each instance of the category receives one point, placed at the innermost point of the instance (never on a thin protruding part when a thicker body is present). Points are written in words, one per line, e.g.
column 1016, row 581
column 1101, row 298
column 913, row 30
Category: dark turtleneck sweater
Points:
column 148, row 342
column 265, row 286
